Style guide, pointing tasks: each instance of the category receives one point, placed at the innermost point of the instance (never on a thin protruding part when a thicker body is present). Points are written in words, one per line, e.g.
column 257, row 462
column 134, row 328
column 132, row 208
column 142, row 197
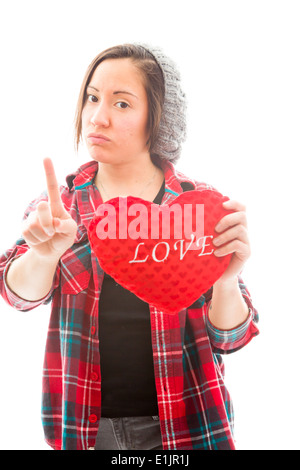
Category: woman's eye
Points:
column 92, row 98
column 122, row 105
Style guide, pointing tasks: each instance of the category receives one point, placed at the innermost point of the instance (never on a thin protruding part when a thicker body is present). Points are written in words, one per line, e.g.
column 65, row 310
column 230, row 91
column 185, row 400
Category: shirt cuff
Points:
column 18, row 302
column 227, row 341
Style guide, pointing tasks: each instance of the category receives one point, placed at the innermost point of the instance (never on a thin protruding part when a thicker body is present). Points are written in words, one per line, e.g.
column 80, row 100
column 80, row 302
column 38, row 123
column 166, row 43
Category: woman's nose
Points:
column 100, row 117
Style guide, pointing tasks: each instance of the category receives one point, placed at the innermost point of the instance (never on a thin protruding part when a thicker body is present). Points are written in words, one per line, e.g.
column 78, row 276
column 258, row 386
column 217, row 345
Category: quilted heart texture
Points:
column 163, row 254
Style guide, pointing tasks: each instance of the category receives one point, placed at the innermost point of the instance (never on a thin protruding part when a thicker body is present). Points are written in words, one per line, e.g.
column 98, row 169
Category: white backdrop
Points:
column 239, row 62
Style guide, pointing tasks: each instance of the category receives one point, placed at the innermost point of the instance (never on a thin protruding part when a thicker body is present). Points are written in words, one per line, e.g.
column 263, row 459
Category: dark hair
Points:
column 153, row 82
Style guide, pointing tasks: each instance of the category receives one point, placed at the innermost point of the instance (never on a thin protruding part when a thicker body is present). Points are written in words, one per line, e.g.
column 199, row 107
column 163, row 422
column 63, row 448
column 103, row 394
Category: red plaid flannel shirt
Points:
column 195, row 408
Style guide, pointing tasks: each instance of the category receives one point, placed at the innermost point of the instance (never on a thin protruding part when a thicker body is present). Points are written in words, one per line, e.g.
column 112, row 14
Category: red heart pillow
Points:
column 163, row 254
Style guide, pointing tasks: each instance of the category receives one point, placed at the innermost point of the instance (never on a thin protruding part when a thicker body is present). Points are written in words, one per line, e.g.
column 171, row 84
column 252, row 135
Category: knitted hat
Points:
column 172, row 128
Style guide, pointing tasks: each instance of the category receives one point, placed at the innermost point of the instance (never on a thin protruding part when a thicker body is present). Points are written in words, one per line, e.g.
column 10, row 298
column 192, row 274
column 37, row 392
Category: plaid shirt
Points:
column 195, row 408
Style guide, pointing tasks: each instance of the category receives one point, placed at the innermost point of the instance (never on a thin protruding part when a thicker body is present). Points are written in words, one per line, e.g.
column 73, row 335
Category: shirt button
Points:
column 94, row 376
column 93, row 330
column 92, row 418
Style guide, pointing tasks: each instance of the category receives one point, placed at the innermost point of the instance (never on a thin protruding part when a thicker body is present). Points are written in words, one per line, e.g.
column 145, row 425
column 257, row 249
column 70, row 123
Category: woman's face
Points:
column 115, row 114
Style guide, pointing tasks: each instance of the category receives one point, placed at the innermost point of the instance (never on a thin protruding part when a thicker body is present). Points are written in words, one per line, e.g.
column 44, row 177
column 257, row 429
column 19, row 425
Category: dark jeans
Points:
column 142, row 433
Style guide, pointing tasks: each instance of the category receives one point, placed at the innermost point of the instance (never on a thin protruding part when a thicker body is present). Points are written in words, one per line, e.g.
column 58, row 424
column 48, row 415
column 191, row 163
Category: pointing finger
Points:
column 45, row 218
column 57, row 208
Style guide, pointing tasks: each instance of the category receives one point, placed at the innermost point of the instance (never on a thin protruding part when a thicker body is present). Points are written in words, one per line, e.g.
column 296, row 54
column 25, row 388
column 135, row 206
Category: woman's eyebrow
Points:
column 115, row 92
column 91, row 86
column 124, row 92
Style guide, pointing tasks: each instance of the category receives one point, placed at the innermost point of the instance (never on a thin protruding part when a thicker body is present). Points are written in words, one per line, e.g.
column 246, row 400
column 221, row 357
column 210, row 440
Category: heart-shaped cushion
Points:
column 163, row 254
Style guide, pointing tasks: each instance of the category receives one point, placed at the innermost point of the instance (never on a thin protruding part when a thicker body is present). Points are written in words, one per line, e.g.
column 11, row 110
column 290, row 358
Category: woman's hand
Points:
column 232, row 238
column 50, row 230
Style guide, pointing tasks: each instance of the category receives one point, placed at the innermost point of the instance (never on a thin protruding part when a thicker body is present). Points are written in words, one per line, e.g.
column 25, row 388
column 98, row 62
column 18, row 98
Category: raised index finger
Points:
column 53, row 190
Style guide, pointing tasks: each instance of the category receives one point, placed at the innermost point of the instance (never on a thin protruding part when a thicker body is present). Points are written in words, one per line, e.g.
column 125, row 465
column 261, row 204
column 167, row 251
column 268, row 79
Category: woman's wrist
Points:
column 228, row 308
column 30, row 276
column 229, row 284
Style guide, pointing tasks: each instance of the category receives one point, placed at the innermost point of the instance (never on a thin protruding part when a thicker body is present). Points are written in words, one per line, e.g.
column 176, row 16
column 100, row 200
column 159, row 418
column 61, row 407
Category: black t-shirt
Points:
column 126, row 358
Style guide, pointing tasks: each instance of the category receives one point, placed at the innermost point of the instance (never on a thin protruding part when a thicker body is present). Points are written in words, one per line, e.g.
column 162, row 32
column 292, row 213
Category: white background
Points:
column 239, row 62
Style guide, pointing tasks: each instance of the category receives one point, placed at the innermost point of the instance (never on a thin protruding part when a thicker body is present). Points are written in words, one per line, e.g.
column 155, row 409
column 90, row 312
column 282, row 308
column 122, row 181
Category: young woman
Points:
column 119, row 373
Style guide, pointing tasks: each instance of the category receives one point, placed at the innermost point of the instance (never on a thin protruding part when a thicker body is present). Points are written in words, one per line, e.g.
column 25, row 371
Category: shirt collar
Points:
column 175, row 181
column 83, row 176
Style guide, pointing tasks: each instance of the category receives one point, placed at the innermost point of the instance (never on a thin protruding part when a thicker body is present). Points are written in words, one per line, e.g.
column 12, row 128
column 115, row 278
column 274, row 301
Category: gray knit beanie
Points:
column 172, row 129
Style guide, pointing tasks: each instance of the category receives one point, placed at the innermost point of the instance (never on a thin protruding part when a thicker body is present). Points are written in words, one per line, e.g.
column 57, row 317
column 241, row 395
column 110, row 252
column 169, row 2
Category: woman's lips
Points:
column 97, row 139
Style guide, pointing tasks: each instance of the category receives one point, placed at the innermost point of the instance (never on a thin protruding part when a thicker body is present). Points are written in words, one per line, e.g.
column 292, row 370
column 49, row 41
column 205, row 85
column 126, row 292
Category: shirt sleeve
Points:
column 228, row 341
column 11, row 297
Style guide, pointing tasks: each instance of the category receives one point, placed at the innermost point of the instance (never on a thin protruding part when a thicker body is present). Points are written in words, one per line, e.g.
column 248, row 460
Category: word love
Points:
column 159, row 253
column 178, row 245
